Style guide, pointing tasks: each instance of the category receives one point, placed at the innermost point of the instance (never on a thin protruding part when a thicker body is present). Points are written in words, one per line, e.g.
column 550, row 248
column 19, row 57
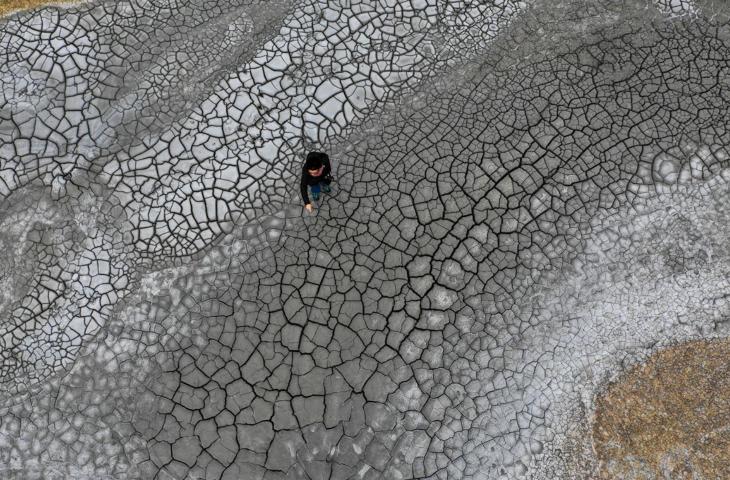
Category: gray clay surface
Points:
column 530, row 196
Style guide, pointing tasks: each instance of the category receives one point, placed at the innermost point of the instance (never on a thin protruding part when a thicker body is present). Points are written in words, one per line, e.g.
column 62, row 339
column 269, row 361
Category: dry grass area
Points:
column 10, row 6
column 669, row 417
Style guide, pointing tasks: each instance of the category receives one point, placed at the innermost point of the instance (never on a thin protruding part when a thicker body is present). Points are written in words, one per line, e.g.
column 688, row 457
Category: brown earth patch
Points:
column 668, row 417
column 11, row 6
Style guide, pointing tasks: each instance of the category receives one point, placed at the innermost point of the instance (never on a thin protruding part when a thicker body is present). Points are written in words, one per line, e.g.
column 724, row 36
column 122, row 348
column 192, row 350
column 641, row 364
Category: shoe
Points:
column 315, row 196
column 326, row 188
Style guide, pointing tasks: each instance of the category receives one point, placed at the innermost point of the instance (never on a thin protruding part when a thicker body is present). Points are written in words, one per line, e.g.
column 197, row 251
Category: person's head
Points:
column 314, row 164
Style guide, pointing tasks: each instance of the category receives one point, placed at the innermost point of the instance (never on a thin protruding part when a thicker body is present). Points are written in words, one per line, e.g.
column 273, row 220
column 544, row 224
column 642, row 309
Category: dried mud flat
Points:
column 531, row 198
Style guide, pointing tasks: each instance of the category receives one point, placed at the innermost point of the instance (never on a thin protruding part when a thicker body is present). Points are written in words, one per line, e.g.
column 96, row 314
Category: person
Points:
column 316, row 174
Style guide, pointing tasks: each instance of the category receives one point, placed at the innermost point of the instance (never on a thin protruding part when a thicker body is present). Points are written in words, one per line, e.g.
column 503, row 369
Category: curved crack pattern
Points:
column 529, row 198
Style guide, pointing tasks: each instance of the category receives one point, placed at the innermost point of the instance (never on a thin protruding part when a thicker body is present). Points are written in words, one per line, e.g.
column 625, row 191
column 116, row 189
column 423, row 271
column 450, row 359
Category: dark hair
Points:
column 314, row 161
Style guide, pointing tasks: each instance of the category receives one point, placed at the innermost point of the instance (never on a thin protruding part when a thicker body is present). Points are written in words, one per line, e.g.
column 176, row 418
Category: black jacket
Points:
column 308, row 180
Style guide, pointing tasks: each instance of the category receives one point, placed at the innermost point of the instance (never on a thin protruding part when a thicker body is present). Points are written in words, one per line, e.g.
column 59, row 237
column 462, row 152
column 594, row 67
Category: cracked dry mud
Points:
column 531, row 200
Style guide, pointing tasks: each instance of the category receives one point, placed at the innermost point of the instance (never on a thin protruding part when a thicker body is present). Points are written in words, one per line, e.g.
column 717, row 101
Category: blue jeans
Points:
column 317, row 188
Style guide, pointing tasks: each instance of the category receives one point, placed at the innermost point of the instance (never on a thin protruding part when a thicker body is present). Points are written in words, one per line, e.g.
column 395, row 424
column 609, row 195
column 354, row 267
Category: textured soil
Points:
column 10, row 6
column 668, row 418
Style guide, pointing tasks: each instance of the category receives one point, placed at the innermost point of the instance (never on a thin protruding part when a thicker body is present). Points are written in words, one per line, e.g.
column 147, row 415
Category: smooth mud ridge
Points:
column 668, row 418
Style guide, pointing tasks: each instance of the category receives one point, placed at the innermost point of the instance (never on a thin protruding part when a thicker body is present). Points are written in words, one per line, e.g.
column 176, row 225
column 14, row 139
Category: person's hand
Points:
column 308, row 207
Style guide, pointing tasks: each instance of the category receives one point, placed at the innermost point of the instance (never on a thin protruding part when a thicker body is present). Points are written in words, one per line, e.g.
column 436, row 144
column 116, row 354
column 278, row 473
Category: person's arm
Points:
column 303, row 187
column 327, row 172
